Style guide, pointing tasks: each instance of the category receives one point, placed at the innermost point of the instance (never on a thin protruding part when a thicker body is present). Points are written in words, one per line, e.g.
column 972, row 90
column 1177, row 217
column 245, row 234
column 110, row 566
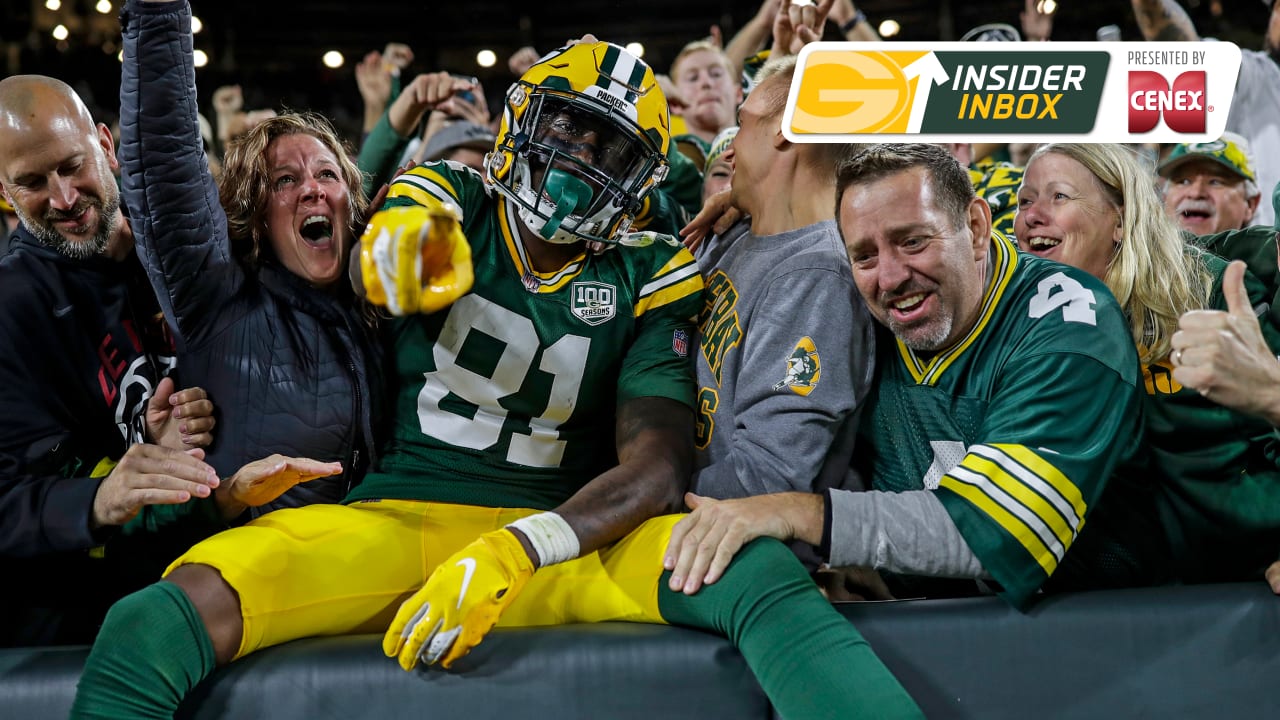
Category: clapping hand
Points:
column 262, row 481
column 179, row 420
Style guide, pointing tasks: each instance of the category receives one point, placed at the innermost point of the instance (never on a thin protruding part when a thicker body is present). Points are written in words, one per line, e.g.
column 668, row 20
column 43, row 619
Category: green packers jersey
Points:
column 1219, row 484
column 997, row 183
column 1018, row 426
column 507, row 398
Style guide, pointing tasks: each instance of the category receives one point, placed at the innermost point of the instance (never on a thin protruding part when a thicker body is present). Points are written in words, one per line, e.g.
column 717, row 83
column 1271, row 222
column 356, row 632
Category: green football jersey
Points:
column 507, row 398
column 1019, row 425
column 1219, row 483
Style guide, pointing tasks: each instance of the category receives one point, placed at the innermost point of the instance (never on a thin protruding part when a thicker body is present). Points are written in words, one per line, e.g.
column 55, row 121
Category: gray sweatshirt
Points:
column 785, row 359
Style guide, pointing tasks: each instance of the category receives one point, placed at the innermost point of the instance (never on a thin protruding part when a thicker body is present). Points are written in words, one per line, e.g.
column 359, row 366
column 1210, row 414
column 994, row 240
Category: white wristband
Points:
column 551, row 537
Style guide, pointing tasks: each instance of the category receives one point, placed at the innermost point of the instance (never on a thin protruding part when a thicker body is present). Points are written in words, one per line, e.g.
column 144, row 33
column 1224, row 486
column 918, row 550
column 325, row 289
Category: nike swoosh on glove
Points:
column 460, row 602
column 415, row 259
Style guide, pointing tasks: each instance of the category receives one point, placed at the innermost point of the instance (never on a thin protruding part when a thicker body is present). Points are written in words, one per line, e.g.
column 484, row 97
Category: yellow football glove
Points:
column 415, row 259
column 460, row 602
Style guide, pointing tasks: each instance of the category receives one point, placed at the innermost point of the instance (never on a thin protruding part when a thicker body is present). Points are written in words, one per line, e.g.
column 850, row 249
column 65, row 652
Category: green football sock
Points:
column 811, row 661
column 152, row 650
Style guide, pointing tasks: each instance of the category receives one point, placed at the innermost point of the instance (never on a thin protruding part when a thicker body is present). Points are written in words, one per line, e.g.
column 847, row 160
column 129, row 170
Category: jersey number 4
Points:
column 565, row 361
column 1060, row 291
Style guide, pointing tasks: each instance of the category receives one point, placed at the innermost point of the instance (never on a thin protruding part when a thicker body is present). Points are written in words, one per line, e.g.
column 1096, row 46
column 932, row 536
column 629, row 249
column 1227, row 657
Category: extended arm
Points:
column 907, row 532
column 392, row 132
column 1164, row 20
column 177, row 220
column 42, row 511
column 852, row 22
column 752, row 36
column 655, row 454
column 378, row 77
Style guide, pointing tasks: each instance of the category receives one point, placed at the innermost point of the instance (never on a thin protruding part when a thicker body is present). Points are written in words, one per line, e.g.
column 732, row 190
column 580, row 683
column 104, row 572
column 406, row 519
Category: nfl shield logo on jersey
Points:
column 593, row 302
column 680, row 343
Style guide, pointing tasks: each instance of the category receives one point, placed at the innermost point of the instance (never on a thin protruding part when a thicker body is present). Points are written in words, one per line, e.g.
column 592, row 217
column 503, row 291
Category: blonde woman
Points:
column 1095, row 207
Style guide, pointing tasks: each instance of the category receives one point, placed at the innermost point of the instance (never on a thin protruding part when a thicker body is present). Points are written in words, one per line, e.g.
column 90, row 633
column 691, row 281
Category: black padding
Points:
column 1174, row 652
column 1185, row 652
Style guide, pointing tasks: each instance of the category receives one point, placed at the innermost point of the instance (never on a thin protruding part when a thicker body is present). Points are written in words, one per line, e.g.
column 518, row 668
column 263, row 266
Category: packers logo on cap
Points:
column 1231, row 151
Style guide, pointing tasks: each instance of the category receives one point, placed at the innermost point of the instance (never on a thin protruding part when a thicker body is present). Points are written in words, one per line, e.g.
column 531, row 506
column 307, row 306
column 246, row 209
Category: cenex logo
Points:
column 1182, row 103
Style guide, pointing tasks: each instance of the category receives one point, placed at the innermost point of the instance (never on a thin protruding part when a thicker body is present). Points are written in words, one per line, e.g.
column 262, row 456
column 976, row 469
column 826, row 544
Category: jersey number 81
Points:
column 565, row 361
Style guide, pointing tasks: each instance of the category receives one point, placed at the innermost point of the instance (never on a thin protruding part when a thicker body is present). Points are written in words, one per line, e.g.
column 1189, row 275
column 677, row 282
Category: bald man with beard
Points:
column 102, row 479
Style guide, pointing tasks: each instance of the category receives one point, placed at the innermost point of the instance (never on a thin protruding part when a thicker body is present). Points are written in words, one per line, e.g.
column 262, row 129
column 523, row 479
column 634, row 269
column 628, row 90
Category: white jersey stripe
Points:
column 1017, row 509
column 1031, row 480
column 669, row 279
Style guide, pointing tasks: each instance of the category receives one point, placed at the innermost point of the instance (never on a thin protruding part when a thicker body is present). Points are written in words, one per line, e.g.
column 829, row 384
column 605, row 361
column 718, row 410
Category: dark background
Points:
column 273, row 49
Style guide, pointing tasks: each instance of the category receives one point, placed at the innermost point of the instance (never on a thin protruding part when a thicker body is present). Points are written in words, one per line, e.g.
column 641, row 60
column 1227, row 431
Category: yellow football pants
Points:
column 345, row 569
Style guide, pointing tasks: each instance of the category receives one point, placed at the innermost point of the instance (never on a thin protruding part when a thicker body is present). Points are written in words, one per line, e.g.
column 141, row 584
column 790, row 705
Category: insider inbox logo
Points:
column 978, row 92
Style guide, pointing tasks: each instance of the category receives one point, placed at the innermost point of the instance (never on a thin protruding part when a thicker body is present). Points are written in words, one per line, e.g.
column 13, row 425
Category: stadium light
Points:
column 200, row 58
column 333, row 59
column 103, row 6
column 53, row 4
column 889, row 28
column 486, row 58
column 636, row 49
column 60, row 32
column 196, row 25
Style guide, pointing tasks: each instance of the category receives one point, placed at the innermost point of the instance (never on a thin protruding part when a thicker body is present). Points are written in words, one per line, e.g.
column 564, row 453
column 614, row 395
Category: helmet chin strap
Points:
column 571, row 196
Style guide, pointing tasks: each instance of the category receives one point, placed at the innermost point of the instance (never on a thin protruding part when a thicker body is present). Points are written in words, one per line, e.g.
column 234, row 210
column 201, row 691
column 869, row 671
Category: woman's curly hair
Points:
column 245, row 184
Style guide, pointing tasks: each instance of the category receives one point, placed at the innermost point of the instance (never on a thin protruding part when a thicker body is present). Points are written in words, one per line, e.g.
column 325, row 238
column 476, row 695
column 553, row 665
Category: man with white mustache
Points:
column 1211, row 187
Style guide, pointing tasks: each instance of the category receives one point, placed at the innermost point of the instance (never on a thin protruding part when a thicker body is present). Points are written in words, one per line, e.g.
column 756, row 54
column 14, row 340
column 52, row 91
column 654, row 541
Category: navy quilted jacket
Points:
column 291, row 369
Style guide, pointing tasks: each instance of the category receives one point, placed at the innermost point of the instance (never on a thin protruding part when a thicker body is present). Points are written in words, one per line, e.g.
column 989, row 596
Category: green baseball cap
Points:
column 1231, row 151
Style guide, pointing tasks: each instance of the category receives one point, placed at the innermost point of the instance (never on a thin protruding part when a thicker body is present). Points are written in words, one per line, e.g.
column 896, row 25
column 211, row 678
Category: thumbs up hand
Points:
column 1224, row 356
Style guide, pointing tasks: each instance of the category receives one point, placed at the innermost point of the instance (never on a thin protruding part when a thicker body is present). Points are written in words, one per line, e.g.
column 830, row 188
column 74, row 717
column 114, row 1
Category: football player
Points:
column 517, row 354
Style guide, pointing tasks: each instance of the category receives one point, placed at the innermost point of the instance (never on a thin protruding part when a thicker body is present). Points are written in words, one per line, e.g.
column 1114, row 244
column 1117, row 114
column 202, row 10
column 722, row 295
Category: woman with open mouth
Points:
column 1095, row 207
column 252, row 276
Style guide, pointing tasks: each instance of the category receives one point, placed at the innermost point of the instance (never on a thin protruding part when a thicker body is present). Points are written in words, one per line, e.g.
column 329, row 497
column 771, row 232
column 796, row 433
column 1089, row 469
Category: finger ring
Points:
column 1177, row 356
